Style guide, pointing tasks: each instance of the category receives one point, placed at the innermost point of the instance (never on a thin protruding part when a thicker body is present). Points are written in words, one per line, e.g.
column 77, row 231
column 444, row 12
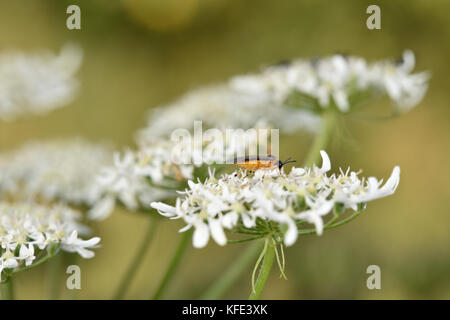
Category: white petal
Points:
column 164, row 209
column 230, row 219
column 185, row 228
column 325, row 208
column 201, row 235
column 291, row 234
column 318, row 223
column 409, row 61
column 393, row 88
column 340, row 97
column 392, row 183
column 191, row 184
column 23, row 252
column 249, row 222
column 11, row 263
column 86, row 254
column 326, row 164
column 297, row 171
column 89, row 243
column 72, row 237
column 217, row 232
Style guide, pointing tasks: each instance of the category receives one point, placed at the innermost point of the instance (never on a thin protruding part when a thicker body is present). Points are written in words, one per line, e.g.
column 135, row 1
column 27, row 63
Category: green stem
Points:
column 264, row 271
column 6, row 289
column 247, row 239
column 331, row 226
column 38, row 263
column 322, row 139
column 233, row 273
column 54, row 276
column 137, row 260
column 173, row 265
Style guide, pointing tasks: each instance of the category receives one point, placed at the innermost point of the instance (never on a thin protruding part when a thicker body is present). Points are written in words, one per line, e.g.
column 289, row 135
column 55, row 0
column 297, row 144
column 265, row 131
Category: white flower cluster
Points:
column 271, row 196
column 337, row 78
column 58, row 170
column 135, row 179
column 261, row 100
column 158, row 168
column 28, row 230
column 222, row 107
column 37, row 83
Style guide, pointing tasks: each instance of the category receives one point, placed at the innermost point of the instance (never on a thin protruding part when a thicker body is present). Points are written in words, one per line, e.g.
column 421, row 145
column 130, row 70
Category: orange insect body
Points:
column 253, row 163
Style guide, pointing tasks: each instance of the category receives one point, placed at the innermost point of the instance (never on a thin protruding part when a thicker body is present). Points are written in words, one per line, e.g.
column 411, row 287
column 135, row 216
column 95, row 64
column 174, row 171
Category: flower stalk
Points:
column 329, row 123
column 268, row 255
column 6, row 289
column 54, row 276
column 233, row 273
column 137, row 261
column 173, row 265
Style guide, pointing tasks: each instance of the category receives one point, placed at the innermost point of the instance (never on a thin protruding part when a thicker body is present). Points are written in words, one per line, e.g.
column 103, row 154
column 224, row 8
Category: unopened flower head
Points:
column 35, row 83
column 30, row 232
column 57, row 170
column 271, row 202
column 339, row 80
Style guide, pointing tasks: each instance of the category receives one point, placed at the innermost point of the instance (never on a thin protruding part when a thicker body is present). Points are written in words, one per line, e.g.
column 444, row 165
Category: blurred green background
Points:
column 142, row 53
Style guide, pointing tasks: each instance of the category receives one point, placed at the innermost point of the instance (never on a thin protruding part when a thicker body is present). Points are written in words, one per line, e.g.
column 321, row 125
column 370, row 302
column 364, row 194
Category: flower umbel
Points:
column 338, row 80
column 221, row 106
column 159, row 167
column 272, row 203
column 37, row 83
column 31, row 233
column 52, row 171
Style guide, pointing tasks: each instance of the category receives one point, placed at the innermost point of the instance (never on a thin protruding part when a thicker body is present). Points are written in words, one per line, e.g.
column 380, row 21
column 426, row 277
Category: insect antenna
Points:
column 282, row 163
